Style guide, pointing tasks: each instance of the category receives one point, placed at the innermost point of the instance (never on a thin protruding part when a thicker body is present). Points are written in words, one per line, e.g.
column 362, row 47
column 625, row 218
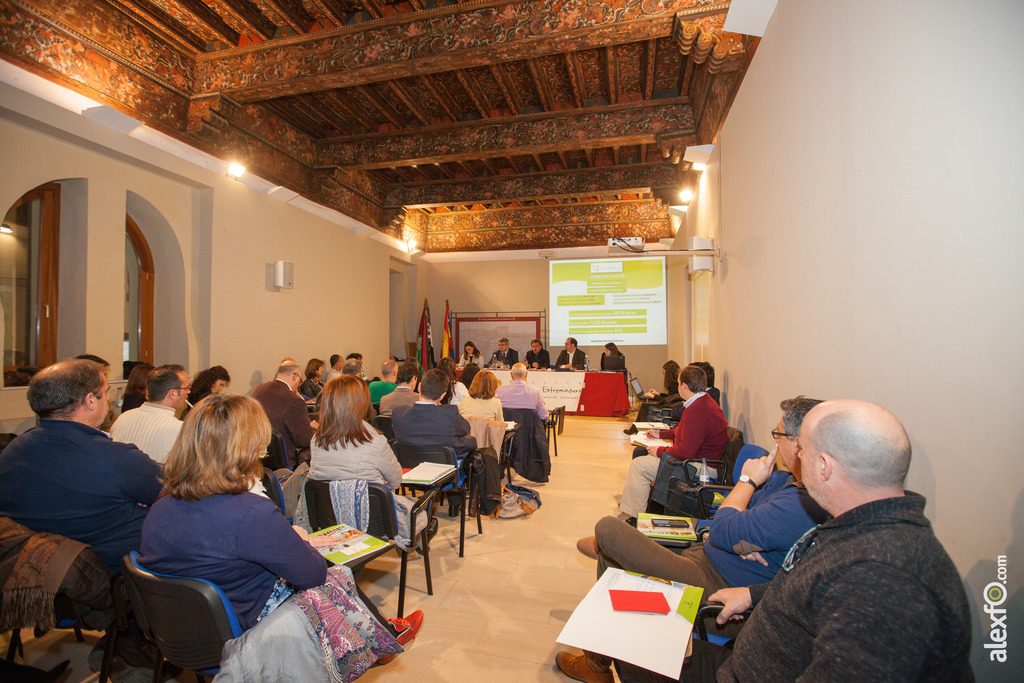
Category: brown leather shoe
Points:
column 578, row 668
column 588, row 546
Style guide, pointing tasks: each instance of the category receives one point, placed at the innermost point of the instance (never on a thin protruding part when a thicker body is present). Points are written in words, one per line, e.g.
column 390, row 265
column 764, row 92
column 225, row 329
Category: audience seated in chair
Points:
column 314, row 382
column 386, row 384
column 347, row 448
column 482, row 401
column 66, row 477
column 286, row 410
column 519, row 394
column 407, row 377
column 869, row 595
column 153, row 426
column 700, row 434
column 429, row 423
column 208, row 476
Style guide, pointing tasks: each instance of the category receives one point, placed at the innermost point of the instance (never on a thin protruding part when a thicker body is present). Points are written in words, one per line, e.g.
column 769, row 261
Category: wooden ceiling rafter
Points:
column 333, row 11
column 157, row 19
column 576, row 78
column 541, row 82
column 213, row 21
column 383, row 108
column 351, row 108
column 410, row 103
column 612, row 67
column 508, row 91
column 478, row 98
column 294, row 14
column 648, row 63
column 442, row 96
column 296, row 115
column 250, row 16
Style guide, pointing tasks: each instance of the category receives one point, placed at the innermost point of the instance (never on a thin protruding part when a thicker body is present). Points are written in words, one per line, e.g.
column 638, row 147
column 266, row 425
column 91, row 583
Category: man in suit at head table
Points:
column 504, row 357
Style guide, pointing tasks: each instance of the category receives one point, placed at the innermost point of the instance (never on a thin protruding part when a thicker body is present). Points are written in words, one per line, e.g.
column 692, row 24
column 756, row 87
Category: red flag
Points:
column 424, row 342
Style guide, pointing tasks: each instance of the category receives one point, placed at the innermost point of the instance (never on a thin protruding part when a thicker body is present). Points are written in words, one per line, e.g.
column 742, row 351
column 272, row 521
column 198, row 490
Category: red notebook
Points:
column 638, row 601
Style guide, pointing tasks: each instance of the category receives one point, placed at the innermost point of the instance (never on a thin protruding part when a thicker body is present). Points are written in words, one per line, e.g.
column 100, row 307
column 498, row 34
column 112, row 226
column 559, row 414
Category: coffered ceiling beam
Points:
column 435, row 43
column 622, row 125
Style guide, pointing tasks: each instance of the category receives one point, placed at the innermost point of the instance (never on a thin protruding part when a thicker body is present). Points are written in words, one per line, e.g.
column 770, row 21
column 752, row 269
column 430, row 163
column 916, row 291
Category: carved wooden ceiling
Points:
column 466, row 125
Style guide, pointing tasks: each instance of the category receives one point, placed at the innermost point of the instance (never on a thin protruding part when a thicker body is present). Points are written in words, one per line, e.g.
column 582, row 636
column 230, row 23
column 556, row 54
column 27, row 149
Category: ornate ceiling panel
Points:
column 471, row 125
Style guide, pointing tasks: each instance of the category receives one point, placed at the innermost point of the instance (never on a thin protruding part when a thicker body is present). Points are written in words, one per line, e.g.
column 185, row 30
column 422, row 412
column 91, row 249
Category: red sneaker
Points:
column 408, row 627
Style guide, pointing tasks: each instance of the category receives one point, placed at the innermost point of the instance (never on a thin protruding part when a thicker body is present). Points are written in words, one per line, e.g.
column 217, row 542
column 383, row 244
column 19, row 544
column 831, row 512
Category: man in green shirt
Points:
column 383, row 387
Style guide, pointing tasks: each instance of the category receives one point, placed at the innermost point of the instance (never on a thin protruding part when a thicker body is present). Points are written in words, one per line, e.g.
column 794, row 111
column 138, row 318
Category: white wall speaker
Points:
column 284, row 274
column 699, row 264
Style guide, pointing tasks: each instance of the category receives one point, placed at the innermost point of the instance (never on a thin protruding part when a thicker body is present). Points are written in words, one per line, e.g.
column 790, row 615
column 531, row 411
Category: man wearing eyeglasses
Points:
column 67, row 477
column 870, row 595
column 756, row 524
column 153, row 426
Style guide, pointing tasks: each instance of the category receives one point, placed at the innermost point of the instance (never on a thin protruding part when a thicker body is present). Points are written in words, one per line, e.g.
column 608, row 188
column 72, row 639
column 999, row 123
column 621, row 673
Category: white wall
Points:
column 214, row 242
column 872, row 229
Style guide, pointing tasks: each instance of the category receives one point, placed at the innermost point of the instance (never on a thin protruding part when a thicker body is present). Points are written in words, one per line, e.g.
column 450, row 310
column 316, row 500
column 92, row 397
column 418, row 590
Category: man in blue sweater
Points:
column 760, row 519
column 67, row 477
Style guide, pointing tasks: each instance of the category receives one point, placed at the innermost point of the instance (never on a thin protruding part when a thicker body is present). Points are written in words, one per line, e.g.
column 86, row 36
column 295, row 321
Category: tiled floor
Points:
column 496, row 612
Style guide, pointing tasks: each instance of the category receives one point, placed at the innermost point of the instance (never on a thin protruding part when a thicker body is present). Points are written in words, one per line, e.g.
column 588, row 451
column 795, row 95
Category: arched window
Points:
column 29, row 249
column 138, row 295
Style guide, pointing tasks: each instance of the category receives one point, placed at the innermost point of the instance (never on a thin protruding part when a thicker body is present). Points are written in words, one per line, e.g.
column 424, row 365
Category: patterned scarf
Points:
column 350, row 638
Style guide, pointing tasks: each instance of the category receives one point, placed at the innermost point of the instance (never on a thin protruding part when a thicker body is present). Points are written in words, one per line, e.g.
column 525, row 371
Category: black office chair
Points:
column 383, row 425
column 382, row 524
column 272, row 485
column 553, row 426
column 277, row 453
column 411, row 456
column 189, row 620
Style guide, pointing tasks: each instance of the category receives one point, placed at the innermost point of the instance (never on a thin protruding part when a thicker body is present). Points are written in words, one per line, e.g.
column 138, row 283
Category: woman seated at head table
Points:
column 346, row 447
column 208, row 525
column 481, row 401
column 470, row 354
column 610, row 349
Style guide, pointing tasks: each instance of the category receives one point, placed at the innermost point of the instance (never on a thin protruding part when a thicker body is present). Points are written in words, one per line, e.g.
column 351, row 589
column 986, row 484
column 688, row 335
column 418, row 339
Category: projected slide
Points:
column 608, row 300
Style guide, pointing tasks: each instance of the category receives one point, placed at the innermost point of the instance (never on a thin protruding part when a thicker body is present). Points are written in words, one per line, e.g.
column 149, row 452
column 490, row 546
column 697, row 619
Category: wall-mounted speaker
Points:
column 284, row 274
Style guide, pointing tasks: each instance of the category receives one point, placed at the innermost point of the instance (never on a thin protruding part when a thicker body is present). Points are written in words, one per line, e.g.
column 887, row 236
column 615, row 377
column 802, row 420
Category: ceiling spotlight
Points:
column 411, row 245
column 686, row 195
column 235, row 170
column 6, row 229
column 697, row 166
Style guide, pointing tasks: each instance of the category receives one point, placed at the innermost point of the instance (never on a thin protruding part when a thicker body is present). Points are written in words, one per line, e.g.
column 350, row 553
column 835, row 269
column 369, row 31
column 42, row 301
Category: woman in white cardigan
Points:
column 481, row 401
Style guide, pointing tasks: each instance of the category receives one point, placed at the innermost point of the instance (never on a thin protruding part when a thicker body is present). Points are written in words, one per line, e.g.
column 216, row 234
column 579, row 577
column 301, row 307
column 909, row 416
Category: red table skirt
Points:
column 604, row 394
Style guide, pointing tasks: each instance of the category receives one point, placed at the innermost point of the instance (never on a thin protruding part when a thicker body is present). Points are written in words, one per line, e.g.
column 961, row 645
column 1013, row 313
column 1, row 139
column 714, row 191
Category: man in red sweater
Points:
column 701, row 433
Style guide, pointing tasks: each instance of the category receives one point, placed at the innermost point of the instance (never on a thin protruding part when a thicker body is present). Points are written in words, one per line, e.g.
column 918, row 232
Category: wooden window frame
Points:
column 146, row 282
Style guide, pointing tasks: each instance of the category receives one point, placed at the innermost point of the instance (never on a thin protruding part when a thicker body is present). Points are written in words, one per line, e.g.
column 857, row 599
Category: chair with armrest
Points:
column 708, row 612
column 382, row 523
column 695, row 498
column 277, row 453
column 382, row 423
column 411, row 456
column 189, row 620
column 707, row 471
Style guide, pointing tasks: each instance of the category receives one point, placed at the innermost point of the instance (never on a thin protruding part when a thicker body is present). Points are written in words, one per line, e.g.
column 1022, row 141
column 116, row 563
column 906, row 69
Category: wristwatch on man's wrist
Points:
column 746, row 479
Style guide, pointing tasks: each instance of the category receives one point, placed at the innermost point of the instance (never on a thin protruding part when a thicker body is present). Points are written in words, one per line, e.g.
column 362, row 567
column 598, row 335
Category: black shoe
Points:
column 631, row 521
column 453, row 510
column 631, row 431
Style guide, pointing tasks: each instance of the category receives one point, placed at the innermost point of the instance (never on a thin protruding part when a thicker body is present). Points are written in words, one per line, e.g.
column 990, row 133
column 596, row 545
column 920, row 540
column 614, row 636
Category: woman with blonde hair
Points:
column 346, row 447
column 481, row 401
column 209, row 525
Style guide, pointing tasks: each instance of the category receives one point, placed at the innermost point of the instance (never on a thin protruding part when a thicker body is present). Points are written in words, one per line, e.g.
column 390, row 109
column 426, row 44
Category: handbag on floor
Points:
column 517, row 501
